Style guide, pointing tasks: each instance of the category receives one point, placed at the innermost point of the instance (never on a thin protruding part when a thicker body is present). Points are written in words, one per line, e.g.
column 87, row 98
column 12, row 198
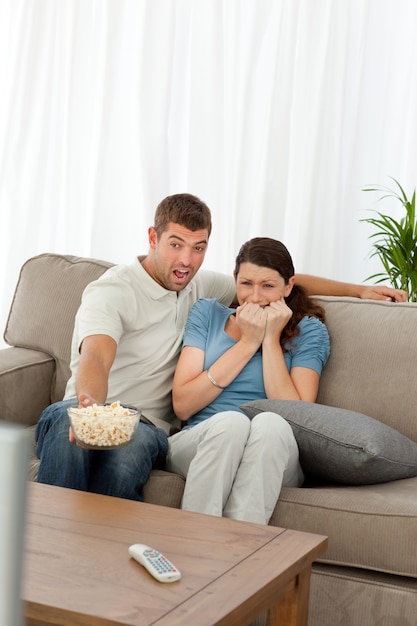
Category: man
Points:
column 126, row 342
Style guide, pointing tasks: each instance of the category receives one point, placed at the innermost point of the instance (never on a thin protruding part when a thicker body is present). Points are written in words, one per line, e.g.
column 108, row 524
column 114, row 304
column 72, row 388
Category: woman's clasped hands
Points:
column 257, row 322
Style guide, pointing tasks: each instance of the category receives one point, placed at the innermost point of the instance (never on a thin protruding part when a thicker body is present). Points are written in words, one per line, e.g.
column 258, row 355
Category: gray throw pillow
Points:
column 343, row 446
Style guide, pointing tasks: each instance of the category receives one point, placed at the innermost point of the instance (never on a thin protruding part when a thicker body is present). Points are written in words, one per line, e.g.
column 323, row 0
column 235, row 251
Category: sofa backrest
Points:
column 372, row 367
column 44, row 305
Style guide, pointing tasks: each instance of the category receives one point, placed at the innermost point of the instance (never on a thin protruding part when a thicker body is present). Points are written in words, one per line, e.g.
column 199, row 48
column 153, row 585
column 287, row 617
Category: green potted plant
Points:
column 395, row 242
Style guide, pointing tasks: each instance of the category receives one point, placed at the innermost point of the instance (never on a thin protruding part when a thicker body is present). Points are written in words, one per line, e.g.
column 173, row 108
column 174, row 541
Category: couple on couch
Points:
column 129, row 341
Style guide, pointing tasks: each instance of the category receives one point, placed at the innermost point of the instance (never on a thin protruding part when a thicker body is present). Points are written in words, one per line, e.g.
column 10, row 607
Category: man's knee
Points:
column 54, row 418
column 150, row 441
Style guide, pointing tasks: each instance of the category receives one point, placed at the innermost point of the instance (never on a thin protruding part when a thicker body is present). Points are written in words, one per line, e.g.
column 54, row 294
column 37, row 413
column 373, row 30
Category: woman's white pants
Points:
column 234, row 466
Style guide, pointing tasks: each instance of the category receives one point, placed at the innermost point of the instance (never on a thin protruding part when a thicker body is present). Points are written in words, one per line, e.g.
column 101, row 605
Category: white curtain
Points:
column 275, row 112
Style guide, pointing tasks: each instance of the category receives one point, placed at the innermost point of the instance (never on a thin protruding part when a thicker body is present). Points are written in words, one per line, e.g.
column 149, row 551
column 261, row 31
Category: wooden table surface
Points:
column 77, row 570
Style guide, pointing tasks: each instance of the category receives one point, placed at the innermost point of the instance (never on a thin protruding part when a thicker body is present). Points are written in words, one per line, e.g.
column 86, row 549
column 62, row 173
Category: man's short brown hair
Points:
column 184, row 209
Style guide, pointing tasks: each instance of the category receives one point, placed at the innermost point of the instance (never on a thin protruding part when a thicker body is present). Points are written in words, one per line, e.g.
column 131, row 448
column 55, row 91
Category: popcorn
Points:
column 103, row 426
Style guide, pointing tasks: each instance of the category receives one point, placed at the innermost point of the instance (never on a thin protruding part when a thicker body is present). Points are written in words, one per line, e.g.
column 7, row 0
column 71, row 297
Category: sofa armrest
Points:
column 26, row 378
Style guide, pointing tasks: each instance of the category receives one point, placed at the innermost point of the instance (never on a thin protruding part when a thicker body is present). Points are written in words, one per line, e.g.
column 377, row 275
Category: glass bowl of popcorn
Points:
column 103, row 426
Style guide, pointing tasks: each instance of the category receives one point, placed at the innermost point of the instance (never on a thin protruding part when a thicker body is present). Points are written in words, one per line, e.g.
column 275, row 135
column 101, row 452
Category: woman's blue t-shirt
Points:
column 205, row 330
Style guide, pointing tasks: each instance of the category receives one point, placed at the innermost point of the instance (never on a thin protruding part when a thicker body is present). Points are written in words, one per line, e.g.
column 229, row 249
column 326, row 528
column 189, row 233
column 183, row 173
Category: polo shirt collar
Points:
column 153, row 289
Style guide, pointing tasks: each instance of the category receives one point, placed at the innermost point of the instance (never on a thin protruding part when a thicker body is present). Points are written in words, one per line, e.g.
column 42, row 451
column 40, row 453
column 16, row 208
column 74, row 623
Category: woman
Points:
column 274, row 345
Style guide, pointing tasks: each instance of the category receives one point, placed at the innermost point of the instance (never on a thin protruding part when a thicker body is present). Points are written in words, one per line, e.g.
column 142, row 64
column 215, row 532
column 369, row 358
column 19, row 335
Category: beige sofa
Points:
column 369, row 574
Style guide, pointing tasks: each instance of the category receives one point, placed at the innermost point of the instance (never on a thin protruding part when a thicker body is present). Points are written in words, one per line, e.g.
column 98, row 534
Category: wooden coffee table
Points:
column 77, row 570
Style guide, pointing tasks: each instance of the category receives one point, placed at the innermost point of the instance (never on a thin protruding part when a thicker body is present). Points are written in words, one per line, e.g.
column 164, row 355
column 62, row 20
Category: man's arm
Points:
column 327, row 287
column 97, row 354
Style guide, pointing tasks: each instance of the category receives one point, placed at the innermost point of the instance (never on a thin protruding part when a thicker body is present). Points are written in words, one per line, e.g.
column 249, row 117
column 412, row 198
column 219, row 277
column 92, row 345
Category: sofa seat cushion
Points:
column 370, row 526
column 344, row 446
column 164, row 488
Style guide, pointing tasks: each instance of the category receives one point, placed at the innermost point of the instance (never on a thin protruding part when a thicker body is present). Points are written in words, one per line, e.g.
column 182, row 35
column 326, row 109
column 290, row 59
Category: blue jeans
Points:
column 121, row 473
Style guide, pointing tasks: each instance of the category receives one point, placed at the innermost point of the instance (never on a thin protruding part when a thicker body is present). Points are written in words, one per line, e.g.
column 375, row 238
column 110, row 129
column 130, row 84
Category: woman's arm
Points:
column 192, row 388
column 187, row 381
column 301, row 383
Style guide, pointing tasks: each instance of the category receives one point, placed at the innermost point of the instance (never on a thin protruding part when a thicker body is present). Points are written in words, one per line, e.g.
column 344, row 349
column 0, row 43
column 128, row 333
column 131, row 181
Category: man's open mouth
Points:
column 181, row 274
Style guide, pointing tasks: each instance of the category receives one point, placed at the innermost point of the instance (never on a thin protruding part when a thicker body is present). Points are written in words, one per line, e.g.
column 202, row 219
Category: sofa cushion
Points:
column 372, row 527
column 343, row 446
column 353, row 597
column 372, row 363
column 46, row 299
column 164, row 488
column 26, row 377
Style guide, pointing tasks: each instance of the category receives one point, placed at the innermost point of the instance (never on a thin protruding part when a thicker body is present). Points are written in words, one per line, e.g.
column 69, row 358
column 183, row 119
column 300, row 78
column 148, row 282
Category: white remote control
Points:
column 155, row 562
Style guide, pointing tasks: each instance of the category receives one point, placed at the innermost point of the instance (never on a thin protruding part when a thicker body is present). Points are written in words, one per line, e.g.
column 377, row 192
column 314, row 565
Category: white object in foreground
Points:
column 14, row 455
column 156, row 563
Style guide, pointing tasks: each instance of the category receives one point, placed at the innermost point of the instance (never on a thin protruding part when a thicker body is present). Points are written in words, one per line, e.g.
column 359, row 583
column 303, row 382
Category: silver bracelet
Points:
column 213, row 382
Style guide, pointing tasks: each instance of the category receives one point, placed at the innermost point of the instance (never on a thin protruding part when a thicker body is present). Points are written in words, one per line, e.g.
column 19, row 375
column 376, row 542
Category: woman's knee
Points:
column 273, row 426
column 230, row 424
